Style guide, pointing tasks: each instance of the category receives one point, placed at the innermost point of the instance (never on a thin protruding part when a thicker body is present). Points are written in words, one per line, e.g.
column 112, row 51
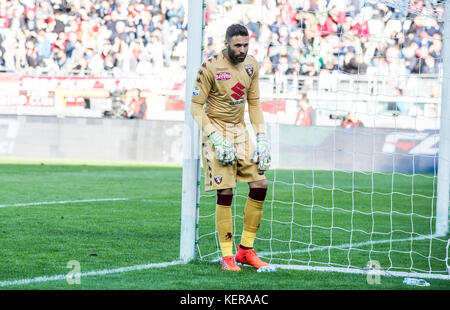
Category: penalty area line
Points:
column 62, row 202
column 89, row 273
column 43, row 203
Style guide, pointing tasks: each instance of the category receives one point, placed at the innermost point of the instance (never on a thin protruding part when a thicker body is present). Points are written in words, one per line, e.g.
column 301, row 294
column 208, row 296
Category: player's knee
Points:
column 259, row 191
column 258, row 184
column 225, row 198
column 226, row 191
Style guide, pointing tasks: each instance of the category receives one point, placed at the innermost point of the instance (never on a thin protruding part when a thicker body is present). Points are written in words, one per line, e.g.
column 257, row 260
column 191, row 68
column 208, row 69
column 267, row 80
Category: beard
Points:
column 236, row 58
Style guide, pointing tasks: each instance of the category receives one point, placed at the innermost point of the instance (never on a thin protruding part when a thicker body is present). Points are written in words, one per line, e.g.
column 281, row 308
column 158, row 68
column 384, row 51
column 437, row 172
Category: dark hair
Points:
column 236, row 30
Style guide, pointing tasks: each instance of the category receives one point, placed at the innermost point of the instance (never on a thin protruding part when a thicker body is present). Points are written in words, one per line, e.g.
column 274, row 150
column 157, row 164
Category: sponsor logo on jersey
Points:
column 249, row 70
column 237, row 91
column 223, row 76
column 196, row 91
column 237, row 102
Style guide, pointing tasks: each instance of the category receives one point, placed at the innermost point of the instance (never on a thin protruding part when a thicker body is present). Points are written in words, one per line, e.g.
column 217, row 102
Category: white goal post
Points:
column 298, row 247
column 444, row 143
column 191, row 146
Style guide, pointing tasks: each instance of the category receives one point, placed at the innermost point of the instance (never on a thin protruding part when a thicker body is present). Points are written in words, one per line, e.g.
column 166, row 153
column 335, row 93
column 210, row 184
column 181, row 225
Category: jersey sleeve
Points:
column 203, row 84
column 202, row 87
column 253, row 91
column 254, row 106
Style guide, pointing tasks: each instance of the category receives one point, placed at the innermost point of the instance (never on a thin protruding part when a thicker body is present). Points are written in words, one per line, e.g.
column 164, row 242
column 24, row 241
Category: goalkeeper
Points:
column 225, row 82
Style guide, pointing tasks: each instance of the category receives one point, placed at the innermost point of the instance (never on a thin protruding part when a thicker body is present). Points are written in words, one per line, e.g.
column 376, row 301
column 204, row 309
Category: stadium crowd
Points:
column 353, row 36
column 94, row 36
column 288, row 36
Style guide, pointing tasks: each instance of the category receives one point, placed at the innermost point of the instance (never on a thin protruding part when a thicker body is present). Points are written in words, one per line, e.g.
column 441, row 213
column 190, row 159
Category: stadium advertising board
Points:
column 325, row 148
column 356, row 149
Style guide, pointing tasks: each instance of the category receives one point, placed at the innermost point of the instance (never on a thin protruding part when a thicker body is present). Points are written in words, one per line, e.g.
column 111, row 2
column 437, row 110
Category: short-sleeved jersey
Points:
column 225, row 88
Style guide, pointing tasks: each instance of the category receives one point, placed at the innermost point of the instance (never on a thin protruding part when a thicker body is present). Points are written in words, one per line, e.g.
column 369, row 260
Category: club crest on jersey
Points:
column 223, row 76
column 249, row 70
column 218, row 179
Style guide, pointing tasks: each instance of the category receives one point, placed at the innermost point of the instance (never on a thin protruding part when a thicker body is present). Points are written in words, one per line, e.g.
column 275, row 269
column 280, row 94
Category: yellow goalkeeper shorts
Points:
column 244, row 170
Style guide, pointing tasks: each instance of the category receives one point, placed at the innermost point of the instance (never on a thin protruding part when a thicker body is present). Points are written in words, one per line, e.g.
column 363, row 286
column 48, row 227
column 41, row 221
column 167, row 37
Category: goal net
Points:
column 351, row 93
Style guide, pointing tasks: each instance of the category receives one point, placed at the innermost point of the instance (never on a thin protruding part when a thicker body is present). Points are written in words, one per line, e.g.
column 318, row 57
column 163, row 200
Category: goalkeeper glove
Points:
column 262, row 153
column 225, row 150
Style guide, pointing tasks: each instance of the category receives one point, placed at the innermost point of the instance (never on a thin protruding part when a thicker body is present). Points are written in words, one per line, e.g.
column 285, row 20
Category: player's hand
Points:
column 225, row 150
column 262, row 153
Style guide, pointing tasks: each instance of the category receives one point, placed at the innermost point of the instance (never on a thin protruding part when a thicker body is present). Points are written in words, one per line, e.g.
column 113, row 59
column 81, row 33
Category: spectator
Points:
column 253, row 27
column 61, row 60
column 145, row 26
column 105, row 9
column 435, row 49
column 70, row 41
column 4, row 18
column 411, row 61
column 333, row 23
column 30, row 20
column 2, row 55
column 304, row 112
column 295, row 69
column 57, row 22
column 283, row 66
column 315, row 59
column 135, row 105
column 350, row 121
column 360, row 27
column 347, row 46
column 330, row 62
column 43, row 44
column 145, row 66
column 32, row 54
column 211, row 48
column 350, row 64
column 175, row 14
column 119, row 31
column 395, row 63
column 266, row 66
column 81, row 67
column 156, row 49
column 44, row 10
column 138, row 52
column 275, row 26
column 429, row 66
column 400, row 104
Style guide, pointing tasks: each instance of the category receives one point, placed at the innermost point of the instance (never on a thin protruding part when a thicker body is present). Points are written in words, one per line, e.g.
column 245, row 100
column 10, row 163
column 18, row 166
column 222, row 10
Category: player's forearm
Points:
column 201, row 118
column 256, row 116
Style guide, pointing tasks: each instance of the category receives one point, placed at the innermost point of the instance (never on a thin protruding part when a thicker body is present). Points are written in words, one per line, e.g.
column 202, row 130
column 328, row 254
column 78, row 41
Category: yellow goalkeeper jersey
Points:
column 221, row 90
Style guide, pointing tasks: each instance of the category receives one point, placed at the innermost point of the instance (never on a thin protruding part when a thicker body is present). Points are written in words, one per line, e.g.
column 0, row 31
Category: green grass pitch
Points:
column 121, row 223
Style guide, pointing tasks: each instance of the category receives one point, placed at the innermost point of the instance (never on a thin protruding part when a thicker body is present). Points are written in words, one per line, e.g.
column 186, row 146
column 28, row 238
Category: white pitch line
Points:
column 362, row 271
column 90, row 273
column 43, row 203
column 347, row 245
column 60, row 202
